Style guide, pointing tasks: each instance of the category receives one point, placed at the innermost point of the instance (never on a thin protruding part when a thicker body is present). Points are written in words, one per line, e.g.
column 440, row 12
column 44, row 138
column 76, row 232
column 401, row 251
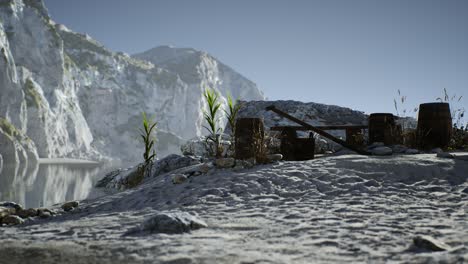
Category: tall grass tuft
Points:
column 231, row 115
column 458, row 113
column 211, row 117
column 146, row 133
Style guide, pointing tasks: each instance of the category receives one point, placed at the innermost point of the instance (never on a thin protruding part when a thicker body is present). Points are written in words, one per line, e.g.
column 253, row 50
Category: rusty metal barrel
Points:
column 247, row 131
column 382, row 128
column 434, row 125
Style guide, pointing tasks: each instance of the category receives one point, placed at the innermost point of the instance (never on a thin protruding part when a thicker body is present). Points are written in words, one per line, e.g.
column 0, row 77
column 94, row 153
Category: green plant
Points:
column 211, row 117
column 231, row 115
column 146, row 133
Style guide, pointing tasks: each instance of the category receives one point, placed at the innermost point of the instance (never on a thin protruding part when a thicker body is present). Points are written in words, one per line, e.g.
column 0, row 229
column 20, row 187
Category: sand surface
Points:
column 349, row 208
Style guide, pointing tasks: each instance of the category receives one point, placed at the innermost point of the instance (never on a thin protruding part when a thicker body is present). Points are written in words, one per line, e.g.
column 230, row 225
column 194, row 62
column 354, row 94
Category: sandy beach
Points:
column 347, row 208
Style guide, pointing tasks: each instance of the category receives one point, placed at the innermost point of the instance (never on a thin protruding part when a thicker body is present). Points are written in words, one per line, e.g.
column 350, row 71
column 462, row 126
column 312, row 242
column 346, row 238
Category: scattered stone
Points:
column 178, row 178
column 12, row 220
column 412, row 151
column 125, row 179
column 399, row 149
column 437, row 150
column 429, row 243
column 13, row 205
column 44, row 212
column 6, row 211
column 225, row 162
column 238, row 167
column 205, row 167
column 68, row 206
column 173, row 162
column 381, row 151
column 344, row 152
column 31, row 212
column 197, row 170
column 169, row 223
column 275, row 157
column 109, row 177
column 376, row 145
column 445, row 155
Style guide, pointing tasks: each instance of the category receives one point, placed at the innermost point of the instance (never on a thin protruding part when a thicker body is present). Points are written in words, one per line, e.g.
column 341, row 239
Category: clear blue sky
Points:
column 349, row 53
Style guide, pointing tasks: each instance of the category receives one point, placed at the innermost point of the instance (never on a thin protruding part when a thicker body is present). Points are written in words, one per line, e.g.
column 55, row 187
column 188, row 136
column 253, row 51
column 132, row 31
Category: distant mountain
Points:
column 195, row 67
column 63, row 94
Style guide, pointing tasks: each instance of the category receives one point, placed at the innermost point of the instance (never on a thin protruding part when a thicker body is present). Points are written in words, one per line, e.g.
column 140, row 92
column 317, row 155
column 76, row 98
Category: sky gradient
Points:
column 349, row 53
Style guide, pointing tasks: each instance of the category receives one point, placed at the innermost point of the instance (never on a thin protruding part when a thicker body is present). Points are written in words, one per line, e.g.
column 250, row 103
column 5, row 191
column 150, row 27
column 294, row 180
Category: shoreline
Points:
column 66, row 161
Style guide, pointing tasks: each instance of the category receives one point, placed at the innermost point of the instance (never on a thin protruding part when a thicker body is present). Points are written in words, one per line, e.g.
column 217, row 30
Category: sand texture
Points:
column 341, row 209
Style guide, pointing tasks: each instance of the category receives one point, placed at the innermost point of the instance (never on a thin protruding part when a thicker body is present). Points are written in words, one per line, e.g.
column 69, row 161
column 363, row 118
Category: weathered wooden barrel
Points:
column 305, row 148
column 248, row 130
column 294, row 148
column 434, row 125
column 353, row 136
column 288, row 143
column 382, row 128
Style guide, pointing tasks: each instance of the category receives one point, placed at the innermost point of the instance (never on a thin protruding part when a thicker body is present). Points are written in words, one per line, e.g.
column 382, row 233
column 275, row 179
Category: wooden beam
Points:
column 337, row 127
column 316, row 130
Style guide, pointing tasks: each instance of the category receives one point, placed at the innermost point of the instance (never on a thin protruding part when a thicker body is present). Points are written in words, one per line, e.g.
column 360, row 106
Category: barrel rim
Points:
column 434, row 104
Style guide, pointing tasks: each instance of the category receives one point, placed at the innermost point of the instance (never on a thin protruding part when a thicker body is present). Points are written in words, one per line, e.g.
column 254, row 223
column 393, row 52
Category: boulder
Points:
column 225, row 163
column 275, row 157
column 376, row 145
column 399, row 149
column 381, row 151
column 412, row 151
column 173, row 162
column 429, row 244
column 128, row 178
column 445, row 155
column 12, row 220
column 44, row 213
column 178, row 178
column 13, row 205
column 437, row 150
column 243, row 164
column 6, row 211
column 68, row 206
column 169, row 223
column 31, row 212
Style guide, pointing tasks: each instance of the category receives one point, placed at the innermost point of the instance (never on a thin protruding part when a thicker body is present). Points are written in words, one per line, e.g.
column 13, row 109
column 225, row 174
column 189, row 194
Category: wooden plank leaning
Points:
column 317, row 130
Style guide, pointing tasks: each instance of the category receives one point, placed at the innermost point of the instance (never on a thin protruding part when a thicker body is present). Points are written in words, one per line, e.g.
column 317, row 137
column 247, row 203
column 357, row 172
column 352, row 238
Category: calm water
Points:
column 48, row 184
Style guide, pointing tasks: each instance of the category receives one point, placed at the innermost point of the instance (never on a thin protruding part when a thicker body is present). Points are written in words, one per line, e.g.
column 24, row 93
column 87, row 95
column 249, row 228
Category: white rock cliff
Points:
column 62, row 94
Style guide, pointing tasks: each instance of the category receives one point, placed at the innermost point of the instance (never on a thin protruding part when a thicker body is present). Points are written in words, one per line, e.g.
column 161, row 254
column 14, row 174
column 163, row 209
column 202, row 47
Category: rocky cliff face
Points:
column 65, row 95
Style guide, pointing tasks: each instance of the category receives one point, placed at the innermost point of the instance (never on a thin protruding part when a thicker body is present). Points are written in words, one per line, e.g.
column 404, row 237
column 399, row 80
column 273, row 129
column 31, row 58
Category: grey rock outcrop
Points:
column 169, row 223
column 428, row 243
column 122, row 179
